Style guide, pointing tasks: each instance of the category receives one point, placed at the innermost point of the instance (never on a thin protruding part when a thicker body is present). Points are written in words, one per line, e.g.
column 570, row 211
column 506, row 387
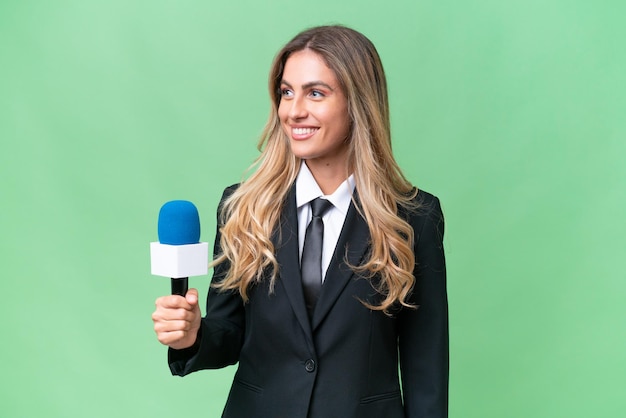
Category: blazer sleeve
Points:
column 423, row 332
column 222, row 328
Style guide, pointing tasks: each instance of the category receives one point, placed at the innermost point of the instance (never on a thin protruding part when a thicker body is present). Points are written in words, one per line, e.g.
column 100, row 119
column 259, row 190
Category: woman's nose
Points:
column 298, row 109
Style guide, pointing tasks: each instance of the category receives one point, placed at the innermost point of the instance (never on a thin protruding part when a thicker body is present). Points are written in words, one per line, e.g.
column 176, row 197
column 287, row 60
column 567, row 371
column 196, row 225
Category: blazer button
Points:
column 309, row 365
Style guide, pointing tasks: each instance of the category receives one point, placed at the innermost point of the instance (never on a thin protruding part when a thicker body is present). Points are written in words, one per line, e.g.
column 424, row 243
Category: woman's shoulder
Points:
column 228, row 191
column 424, row 206
column 425, row 203
column 422, row 197
column 425, row 217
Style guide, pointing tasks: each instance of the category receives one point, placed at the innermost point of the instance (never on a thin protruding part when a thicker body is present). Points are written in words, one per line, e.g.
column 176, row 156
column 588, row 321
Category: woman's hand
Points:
column 177, row 320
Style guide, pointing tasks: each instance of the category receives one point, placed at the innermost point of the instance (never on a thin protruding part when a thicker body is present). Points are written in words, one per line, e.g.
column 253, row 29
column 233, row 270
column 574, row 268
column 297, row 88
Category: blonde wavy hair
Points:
column 249, row 217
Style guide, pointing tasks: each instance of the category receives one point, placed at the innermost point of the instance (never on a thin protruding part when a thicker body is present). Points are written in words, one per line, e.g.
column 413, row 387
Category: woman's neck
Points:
column 328, row 176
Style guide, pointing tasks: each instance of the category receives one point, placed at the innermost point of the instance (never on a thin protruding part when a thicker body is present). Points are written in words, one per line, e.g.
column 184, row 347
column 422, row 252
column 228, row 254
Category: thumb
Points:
column 192, row 297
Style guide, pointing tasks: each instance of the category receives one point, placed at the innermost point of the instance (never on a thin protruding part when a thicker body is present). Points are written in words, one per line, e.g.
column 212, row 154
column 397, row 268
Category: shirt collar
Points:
column 307, row 189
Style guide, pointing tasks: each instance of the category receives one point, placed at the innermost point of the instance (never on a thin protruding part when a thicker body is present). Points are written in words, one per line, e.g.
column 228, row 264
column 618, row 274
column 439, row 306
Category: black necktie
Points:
column 311, row 265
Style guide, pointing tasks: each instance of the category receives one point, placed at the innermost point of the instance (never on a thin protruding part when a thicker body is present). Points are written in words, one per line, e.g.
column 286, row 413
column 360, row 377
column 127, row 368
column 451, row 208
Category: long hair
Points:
column 249, row 217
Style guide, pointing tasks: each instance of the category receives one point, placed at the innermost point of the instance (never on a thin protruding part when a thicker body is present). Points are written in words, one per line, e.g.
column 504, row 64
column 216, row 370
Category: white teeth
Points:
column 304, row 131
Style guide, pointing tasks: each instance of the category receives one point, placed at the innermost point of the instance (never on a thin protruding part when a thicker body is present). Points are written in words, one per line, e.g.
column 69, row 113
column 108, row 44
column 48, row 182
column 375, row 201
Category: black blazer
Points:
column 344, row 362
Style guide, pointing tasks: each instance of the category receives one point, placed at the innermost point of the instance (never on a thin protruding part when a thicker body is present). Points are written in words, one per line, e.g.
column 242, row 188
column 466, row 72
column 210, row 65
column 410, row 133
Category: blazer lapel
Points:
column 287, row 255
column 352, row 244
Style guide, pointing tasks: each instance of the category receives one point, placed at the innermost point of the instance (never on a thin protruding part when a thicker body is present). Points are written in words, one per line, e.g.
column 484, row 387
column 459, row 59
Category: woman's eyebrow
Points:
column 309, row 84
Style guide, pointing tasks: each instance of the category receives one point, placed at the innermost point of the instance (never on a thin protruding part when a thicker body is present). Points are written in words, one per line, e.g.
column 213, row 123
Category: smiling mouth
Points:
column 303, row 131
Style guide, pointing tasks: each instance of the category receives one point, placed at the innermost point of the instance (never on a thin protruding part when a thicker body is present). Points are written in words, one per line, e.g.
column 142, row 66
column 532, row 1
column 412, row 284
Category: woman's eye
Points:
column 317, row 93
column 286, row 93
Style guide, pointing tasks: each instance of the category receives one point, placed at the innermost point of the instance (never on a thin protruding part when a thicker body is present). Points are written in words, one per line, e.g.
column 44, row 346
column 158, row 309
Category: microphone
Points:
column 179, row 254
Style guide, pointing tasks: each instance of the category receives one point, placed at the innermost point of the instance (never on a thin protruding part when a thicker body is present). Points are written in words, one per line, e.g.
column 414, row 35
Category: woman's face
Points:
column 313, row 111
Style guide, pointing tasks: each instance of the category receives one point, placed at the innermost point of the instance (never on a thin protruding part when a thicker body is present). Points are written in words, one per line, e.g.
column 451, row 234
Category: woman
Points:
column 364, row 331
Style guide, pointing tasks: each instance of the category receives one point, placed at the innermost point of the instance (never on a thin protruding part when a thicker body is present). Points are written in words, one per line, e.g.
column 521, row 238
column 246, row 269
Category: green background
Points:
column 514, row 109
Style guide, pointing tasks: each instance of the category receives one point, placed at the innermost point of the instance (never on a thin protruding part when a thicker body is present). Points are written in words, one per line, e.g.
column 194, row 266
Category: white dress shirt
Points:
column 307, row 189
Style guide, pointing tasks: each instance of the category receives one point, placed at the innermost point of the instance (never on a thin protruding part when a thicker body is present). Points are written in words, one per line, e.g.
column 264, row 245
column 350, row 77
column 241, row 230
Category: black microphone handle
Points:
column 180, row 286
